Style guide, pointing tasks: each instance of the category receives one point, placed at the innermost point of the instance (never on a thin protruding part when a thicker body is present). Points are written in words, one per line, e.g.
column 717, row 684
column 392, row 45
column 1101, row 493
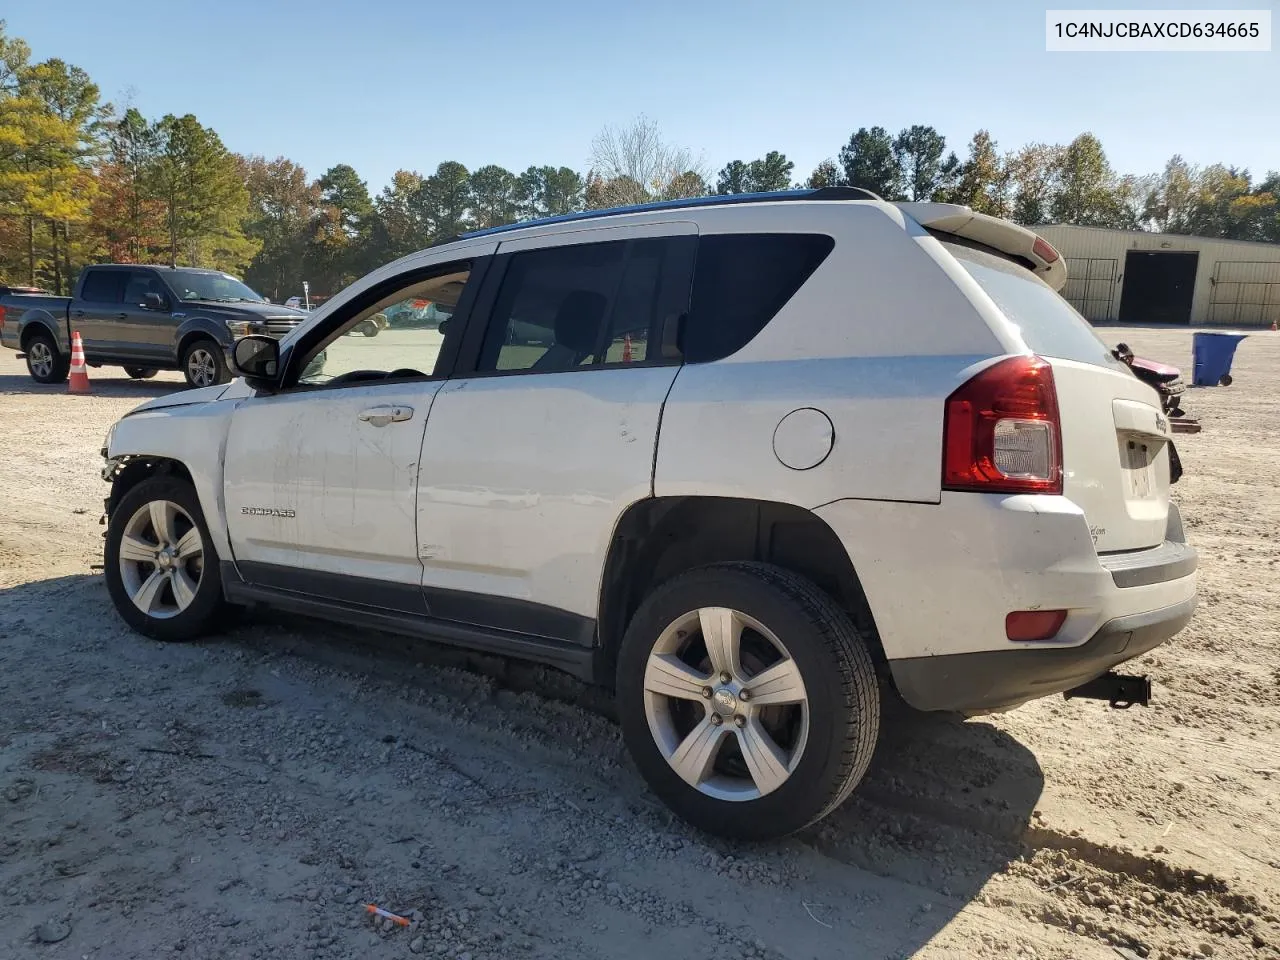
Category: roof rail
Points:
column 821, row 193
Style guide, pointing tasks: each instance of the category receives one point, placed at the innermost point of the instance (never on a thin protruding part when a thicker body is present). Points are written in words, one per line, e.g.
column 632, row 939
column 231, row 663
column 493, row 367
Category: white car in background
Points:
column 784, row 455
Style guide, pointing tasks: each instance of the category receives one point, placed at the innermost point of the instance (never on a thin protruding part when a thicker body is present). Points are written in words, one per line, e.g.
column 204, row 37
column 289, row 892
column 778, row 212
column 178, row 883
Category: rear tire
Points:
column 751, row 757
column 204, row 364
column 44, row 362
column 140, row 373
column 161, row 566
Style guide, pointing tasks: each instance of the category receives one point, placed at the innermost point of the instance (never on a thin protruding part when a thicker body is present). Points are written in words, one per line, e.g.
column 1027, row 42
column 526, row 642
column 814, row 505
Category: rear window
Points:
column 1050, row 326
column 740, row 281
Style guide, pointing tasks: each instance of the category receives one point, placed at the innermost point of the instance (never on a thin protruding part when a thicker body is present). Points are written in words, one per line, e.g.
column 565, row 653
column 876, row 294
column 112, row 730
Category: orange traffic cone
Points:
column 626, row 348
column 79, row 380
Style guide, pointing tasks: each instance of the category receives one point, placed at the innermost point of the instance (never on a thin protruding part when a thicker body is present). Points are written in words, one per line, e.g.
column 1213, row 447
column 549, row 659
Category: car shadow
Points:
column 99, row 383
column 945, row 806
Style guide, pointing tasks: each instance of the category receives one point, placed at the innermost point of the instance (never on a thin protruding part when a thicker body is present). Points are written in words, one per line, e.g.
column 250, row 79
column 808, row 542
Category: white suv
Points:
column 751, row 460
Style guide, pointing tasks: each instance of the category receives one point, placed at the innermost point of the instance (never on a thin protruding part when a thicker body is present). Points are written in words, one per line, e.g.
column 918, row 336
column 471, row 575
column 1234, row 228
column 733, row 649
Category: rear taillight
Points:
column 1, row 316
column 1001, row 431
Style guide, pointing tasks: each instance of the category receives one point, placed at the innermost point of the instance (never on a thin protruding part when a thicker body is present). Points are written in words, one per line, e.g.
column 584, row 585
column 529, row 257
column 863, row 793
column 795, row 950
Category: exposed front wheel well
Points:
column 659, row 538
column 133, row 470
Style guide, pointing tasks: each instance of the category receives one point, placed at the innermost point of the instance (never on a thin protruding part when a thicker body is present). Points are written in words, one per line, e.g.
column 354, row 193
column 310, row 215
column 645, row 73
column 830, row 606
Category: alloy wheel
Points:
column 201, row 367
column 41, row 359
column 161, row 559
column 726, row 704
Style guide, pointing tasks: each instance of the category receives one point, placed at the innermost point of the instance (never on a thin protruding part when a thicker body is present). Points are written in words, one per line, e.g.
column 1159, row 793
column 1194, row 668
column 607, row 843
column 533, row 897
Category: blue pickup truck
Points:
column 142, row 318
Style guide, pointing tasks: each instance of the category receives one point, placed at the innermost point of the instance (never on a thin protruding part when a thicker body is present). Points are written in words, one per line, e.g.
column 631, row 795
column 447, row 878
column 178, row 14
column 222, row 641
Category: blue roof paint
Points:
column 824, row 193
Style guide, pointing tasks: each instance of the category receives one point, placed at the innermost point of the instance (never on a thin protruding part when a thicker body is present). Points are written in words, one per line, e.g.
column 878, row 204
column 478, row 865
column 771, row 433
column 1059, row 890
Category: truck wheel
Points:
column 44, row 363
column 747, row 699
column 204, row 365
column 140, row 373
column 160, row 565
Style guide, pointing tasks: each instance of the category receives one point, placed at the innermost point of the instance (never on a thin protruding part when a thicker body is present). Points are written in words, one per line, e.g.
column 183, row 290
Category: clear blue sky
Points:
column 385, row 84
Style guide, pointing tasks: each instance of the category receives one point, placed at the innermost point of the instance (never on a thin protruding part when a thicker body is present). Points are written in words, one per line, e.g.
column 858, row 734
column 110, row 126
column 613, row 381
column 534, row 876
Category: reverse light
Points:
column 1002, row 433
column 1029, row 625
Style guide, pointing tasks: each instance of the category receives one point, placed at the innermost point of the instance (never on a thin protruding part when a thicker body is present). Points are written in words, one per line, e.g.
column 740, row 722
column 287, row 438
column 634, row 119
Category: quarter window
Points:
column 741, row 282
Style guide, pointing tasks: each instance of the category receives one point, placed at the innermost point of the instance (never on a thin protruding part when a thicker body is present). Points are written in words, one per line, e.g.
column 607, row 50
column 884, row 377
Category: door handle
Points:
column 381, row 416
column 79, row 313
column 122, row 316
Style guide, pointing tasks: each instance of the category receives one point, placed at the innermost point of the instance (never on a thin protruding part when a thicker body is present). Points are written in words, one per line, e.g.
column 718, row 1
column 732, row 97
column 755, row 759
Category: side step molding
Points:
column 580, row 662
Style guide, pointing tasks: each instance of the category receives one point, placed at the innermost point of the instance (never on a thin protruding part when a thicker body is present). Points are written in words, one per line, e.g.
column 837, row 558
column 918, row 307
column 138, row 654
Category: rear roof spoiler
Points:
column 1002, row 235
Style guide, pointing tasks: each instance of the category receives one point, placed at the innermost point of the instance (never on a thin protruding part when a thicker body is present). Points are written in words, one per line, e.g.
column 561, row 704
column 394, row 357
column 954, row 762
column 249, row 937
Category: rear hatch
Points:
column 1115, row 439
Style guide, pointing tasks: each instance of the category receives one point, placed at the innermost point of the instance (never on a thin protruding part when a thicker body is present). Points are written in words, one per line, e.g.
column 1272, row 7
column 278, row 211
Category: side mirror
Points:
column 257, row 359
column 153, row 301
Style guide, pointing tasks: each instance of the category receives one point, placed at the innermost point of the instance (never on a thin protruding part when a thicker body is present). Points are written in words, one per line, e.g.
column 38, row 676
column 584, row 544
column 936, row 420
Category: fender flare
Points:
column 44, row 320
column 193, row 327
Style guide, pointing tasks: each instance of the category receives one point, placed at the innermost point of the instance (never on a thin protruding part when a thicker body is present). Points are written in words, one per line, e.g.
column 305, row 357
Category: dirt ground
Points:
column 244, row 797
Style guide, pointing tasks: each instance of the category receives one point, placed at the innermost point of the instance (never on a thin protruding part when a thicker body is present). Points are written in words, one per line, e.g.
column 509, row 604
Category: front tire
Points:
column 747, row 699
column 160, row 564
column 140, row 373
column 44, row 363
column 204, row 365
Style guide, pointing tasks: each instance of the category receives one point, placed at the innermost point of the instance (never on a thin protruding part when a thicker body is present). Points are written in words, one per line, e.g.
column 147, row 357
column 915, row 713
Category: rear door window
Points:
column 1049, row 325
column 104, row 286
column 587, row 305
column 740, row 282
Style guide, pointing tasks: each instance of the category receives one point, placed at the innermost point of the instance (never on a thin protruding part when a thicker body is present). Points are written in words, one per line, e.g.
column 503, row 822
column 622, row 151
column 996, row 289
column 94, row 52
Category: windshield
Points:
column 196, row 285
column 1049, row 325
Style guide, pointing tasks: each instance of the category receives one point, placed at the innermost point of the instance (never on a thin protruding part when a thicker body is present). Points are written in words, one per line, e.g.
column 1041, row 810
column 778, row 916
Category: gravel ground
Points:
column 246, row 796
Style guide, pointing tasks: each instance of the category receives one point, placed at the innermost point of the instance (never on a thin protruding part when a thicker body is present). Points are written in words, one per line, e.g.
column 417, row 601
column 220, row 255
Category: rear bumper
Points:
column 940, row 579
column 1000, row 679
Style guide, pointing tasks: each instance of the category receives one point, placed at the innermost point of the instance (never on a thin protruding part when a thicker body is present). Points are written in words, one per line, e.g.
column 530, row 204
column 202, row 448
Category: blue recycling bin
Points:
column 1211, row 355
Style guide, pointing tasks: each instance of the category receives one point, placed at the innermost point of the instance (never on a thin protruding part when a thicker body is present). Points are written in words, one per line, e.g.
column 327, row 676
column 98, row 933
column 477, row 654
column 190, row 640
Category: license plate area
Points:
column 1138, row 454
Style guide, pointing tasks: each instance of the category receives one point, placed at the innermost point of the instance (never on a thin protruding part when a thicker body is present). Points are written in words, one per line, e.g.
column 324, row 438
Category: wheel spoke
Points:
column 190, row 545
column 137, row 549
column 722, row 633
column 692, row 760
column 162, row 514
column 184, row 588
column 672, row 677
column 780, row 683
column 148, row 595
column 765, row 759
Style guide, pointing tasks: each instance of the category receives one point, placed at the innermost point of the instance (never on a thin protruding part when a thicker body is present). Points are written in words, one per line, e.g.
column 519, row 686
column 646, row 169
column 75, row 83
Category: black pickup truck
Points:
column 143, row 319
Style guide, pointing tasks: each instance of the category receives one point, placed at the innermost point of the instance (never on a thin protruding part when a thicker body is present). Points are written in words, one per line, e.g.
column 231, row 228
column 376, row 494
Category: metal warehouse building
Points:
column 1133, row 277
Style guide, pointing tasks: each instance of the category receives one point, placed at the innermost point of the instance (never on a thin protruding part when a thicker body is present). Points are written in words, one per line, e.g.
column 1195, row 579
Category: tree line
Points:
column 84, row 181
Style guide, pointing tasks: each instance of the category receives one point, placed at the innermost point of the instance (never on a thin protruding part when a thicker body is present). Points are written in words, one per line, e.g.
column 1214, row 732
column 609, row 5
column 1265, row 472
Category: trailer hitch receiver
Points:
column 1119, row 690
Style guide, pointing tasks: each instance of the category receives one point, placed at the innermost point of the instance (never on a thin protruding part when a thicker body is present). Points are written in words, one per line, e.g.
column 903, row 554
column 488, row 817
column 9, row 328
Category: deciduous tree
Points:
column 633, row 164
column 282, row 207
